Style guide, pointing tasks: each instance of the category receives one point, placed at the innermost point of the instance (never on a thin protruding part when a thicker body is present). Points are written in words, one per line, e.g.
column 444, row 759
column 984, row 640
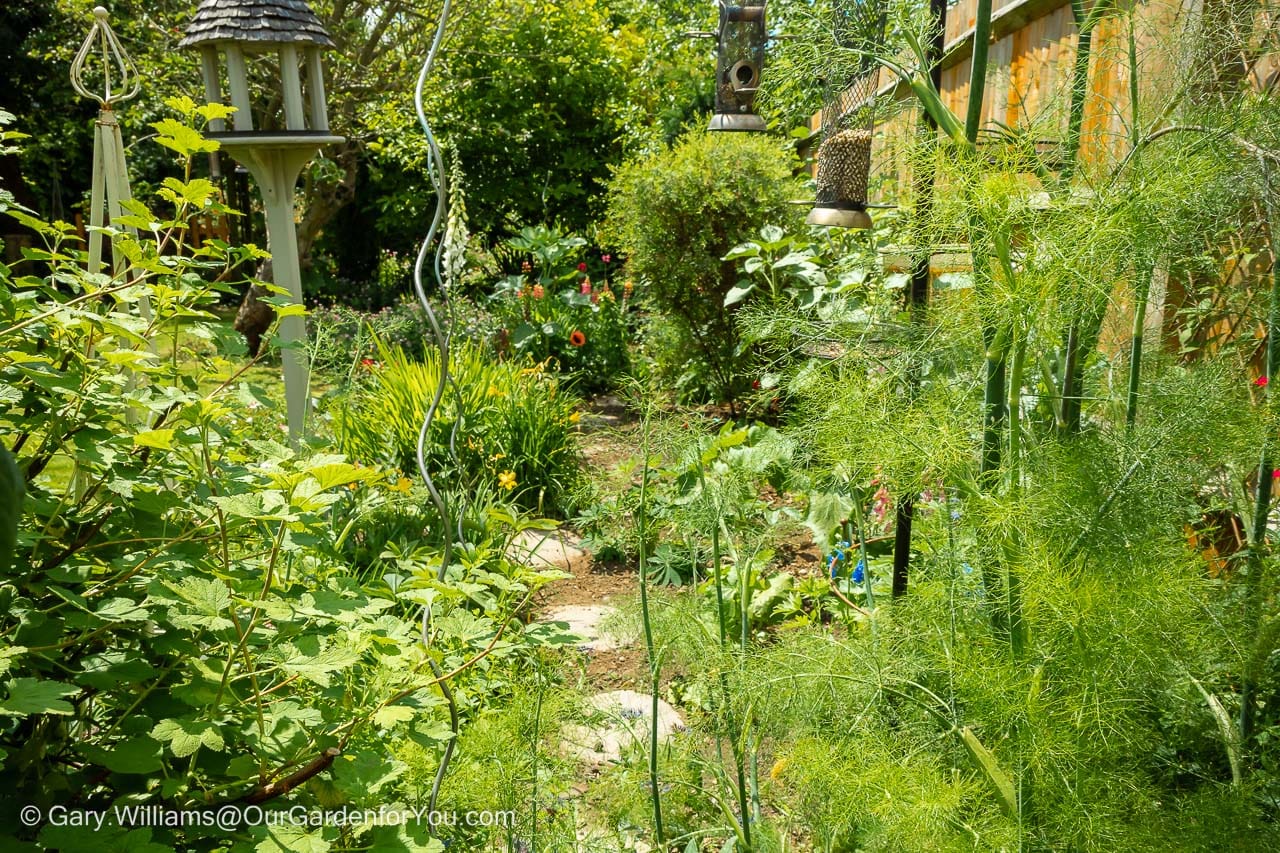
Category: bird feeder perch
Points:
column 739, row 63
column 242, row 43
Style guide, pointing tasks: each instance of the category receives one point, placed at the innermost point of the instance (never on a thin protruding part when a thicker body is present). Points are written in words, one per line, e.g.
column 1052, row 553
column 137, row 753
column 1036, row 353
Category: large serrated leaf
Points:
column 33, row 696
column 186, row 736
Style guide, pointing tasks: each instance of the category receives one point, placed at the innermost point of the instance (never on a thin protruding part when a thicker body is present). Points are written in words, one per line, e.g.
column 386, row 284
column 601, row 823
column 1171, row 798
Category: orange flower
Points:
column 577, row 338
column 537, row 291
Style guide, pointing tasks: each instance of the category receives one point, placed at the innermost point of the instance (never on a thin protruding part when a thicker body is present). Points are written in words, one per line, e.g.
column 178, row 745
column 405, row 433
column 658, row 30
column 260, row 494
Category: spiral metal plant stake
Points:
column 440, row 336
column 848, row 118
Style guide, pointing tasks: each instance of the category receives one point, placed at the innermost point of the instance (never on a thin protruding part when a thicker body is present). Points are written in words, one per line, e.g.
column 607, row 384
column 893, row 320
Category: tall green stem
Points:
column 642, row 523
column 1258, row 551
column 1140, row 296
column 1073, row 363
column 1017, row 624
column 978, row 70
column 1084, row 21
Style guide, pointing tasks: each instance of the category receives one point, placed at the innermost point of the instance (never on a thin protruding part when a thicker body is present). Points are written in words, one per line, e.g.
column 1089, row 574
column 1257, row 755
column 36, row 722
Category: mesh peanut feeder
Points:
column 848, row 120
column 739, row 61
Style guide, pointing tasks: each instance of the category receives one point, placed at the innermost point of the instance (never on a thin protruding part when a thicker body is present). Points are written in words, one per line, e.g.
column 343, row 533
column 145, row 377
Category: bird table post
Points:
column 284, row 37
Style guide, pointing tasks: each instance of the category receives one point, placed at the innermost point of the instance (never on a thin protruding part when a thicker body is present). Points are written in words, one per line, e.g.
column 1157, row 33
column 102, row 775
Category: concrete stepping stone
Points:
column 619, row 722
column 548, row 549
column 586, row 620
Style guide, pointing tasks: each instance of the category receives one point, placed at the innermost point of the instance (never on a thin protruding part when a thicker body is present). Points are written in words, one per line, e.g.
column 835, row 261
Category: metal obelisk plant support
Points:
column 286, row 37
column 109, row 194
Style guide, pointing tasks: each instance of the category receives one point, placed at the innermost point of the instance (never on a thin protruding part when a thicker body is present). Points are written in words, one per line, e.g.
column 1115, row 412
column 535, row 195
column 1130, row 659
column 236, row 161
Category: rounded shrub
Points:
column 675, row 215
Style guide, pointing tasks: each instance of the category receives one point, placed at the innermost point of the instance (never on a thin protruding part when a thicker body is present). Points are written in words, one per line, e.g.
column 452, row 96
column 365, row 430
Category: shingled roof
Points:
column 263, row 21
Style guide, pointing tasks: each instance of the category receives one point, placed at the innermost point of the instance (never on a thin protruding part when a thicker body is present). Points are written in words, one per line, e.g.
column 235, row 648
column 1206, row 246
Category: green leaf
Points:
column 389, row 715
column 175, row 135
column 210, row 112
column 7, row 654
column 826, row 512
column 197, row 192
column 33, row 696
column 285, row 838
column 12, row 491
column 161, row 439
column 186, row 736
column 121, row 610
column 140, row 755
column 317, row 667
column 984, row 761
column 737, row 293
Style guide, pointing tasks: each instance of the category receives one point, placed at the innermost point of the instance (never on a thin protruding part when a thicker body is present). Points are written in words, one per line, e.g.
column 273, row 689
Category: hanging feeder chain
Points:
column 113, row 56
column 436, row 171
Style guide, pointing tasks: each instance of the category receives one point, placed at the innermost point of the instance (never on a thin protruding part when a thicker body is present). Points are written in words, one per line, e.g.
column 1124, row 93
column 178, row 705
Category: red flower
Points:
column 1261, row 382
column 577, row 339
column 755, row 384
column 582, row 267
column 1275, row 475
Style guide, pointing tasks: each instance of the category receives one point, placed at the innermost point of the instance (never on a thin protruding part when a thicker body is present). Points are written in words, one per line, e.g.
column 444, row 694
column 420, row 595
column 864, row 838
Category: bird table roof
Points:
column 261, row 21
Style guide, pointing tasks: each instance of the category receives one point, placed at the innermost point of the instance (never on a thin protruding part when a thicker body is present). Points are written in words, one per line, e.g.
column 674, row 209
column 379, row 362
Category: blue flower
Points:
column 955, row 515
column 966, row 568
column 859, row 572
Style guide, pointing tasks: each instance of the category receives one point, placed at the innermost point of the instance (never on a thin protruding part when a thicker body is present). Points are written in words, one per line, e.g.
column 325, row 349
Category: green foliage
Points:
column 511, row 425
column 344, row 342
column 12, row 491
column 676, row 215
column 552, row 312
column 524, row 100
column 181, row 627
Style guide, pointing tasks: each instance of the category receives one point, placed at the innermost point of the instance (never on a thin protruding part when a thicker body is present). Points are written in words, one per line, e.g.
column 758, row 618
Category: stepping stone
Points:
column 547, row 549
column 585, row 621
column 622, row 723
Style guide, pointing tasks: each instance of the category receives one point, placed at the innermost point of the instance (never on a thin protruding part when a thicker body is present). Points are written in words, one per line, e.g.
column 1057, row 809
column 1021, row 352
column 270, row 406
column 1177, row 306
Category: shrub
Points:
column 676, row 215
column 515, row 432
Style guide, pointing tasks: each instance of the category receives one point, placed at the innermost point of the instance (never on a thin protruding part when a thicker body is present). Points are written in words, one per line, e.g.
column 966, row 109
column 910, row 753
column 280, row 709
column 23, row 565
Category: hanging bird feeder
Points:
column 739, row 62
column 848, row 119
column 281, row 40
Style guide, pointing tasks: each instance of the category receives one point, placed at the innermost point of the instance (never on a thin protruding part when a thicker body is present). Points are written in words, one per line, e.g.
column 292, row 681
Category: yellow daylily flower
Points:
column 402, row 486
column 507, row 480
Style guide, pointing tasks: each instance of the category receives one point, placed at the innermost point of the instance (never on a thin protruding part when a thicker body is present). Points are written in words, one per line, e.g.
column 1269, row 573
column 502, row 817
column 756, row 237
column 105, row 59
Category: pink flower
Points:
column 586, row 287
column 1261, row 382
column 606, row 258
